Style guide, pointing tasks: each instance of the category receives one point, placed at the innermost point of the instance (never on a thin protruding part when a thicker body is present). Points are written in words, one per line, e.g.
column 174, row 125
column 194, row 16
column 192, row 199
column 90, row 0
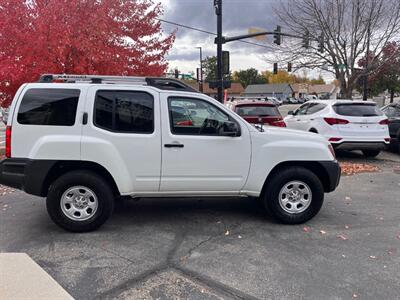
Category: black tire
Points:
column 279, row 180
column 96, row 184
column 371, row 153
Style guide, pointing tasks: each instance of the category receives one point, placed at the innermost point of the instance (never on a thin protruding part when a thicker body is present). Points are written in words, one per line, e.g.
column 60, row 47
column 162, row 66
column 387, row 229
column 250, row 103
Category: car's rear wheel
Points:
column 294, row 195
column 80, row 201
column 371, row 153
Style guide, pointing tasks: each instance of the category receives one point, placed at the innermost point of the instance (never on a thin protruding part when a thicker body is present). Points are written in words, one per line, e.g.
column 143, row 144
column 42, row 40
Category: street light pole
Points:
column 365, row 94
column 201, row 69
column 220, row 81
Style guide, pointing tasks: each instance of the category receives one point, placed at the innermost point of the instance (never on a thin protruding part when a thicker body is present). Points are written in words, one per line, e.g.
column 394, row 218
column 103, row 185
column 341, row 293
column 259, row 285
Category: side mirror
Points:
column 230, row 128
column 290, row 112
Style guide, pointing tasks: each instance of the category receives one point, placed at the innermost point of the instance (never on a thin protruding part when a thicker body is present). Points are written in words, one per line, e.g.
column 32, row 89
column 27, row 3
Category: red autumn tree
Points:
column 113, row 37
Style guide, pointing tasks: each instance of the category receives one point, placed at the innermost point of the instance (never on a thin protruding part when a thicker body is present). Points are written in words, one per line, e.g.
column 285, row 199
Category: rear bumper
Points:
column 333, row 170
column 25, row 174
column 360, row 145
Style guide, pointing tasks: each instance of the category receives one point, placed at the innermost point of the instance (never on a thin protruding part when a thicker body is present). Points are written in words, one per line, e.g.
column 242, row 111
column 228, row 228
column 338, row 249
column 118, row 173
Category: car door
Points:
column 123, row 135
column 298, row 119
column 195, row 157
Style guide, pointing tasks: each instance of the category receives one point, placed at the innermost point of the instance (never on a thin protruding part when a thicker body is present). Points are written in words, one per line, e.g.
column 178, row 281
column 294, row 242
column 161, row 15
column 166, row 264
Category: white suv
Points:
column 346, row 124
column 82, row 141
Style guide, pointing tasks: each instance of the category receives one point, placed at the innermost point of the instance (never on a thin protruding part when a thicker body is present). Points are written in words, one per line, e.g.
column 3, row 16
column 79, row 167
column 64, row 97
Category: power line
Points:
column 207, row 32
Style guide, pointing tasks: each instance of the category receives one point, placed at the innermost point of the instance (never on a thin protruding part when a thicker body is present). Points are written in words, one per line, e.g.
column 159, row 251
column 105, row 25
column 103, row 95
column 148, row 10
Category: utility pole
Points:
column 365, row 92
column 219, row 40
column 201, row 70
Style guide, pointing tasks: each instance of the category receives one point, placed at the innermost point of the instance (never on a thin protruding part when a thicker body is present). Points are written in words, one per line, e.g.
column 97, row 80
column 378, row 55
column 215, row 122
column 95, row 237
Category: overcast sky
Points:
column 238, row 17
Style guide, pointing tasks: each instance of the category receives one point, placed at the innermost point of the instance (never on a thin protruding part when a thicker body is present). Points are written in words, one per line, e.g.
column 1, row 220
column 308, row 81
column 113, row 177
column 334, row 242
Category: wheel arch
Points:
column 313, row 166
column 62, row 167
column 312, row 129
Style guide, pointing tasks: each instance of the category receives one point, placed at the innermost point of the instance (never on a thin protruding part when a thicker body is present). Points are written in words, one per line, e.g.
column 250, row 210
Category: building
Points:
column 235, row 90
column 279, row 90
column 324, row 91
column 300, row 90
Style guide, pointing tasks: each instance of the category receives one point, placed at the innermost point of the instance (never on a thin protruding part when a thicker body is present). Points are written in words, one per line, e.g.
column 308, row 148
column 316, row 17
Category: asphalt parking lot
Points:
column 223, row 248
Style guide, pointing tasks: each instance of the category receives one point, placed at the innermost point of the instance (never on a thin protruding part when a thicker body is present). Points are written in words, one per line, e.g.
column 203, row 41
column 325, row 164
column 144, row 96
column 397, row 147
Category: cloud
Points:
column 238, row 17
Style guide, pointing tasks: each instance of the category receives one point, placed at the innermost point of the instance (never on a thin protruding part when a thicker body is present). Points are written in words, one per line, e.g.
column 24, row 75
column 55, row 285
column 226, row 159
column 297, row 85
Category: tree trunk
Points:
column 391, row 95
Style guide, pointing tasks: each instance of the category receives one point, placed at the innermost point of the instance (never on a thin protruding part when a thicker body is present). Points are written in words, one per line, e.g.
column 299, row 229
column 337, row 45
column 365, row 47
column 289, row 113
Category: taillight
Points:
column 384, row 122
column 335, row 121
column 279, row 124
column 334, row 139
column 8, row 141
column 185, row 123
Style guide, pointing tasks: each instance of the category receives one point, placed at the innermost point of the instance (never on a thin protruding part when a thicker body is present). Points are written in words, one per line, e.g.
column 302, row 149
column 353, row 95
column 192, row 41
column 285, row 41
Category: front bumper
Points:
column 333, row 171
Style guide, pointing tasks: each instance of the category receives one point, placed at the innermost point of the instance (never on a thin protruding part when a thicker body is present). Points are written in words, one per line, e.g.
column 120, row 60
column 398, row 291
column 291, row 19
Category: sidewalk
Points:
column 22, row 278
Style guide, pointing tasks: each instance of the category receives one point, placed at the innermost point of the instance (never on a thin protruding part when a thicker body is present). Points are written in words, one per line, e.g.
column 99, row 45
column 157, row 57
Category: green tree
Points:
column 249, row 76
column 210, row 68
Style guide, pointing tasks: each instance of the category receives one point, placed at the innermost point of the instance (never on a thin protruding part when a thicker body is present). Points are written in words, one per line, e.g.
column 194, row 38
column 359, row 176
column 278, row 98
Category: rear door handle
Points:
column 174, row 145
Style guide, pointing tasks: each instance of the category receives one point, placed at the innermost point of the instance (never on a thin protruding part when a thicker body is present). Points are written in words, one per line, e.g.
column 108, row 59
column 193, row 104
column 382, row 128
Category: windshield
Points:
column 257, row 111
column 357, row 110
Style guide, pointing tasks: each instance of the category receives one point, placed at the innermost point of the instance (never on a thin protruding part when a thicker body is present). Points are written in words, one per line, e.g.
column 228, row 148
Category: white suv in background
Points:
column 346, row 124
column 82, row 141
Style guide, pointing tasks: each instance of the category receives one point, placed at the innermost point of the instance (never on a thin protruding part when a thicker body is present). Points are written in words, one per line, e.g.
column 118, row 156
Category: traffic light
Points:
column 306, row 40
column 321, row 44
column 289, row 67
column 275, row 68
column 277, row 35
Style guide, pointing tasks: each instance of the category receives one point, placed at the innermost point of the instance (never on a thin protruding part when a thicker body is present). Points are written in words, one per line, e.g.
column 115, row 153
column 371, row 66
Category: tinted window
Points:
column 257, row 111
column 124, row 111
column 56, row 107
column 315, row 107
column 195, row 117
column 357, row 110
column 302, row 110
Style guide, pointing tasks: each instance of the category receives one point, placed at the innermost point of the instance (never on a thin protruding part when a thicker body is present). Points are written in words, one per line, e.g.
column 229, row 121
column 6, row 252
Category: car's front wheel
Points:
column 80, row 201
column 371, row 153
column 294, row 195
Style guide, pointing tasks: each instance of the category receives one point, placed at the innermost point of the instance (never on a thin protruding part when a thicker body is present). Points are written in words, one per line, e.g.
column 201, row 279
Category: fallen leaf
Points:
column 398, row 237
column 239, row 236
column 344, row 256
column 372, row 256
column 355, row 296
column 227, row 232
column 342, row 237
column 346, row 226
column 306, row 229
column 347, row 198
column 322, row 231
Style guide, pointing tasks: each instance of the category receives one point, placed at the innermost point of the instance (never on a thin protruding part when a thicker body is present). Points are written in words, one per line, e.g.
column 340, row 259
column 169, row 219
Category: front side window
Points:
column 315, row 107
column 302, row 110
column 53, row 107
column 195, row 117
column 124, row 111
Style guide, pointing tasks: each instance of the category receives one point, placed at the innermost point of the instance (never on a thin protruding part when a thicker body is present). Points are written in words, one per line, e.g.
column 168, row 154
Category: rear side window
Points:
column 55, row 107
column 315, row 107
column 124, row 111
column 257, row 111
column 357, row 110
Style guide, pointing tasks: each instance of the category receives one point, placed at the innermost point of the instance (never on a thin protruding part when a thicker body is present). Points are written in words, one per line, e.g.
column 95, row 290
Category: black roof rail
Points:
column 161, row 83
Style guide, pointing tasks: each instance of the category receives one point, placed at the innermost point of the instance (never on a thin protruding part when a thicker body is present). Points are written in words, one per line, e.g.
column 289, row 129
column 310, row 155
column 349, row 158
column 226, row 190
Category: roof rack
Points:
column 161, row 83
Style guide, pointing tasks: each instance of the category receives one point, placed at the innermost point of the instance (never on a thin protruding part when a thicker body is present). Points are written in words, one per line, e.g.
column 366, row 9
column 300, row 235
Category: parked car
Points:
column 392, row 111
column 346, row 124
column 274, row 100
column 293, row 101
column 258, row 112
column 85, row 140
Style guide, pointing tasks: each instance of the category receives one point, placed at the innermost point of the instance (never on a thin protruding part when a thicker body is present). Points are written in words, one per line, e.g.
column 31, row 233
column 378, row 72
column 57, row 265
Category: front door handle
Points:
column 174, row 145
